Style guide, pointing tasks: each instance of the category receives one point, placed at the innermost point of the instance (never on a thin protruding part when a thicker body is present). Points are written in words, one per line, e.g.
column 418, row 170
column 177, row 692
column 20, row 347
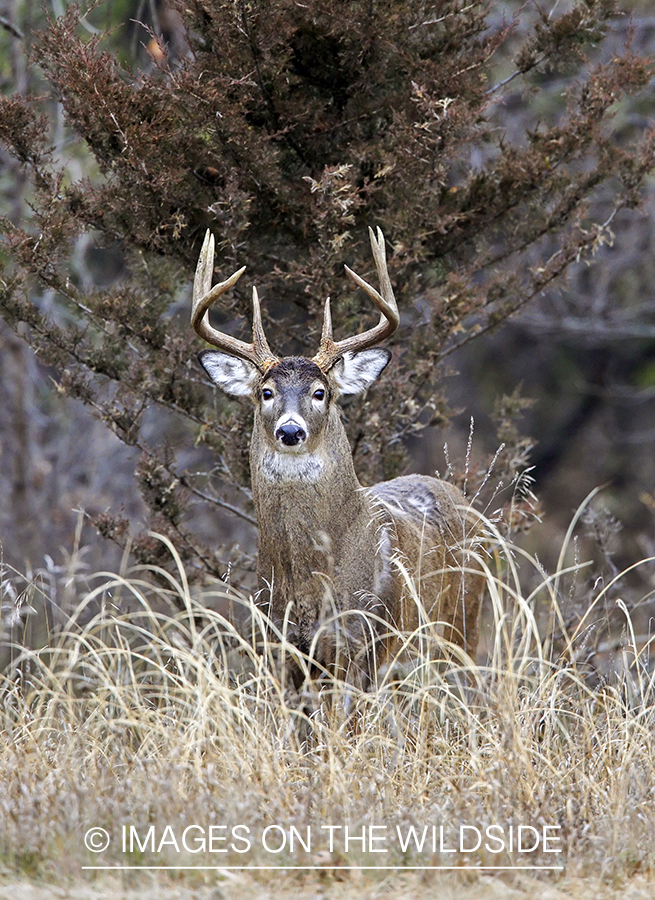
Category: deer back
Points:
column 435, row 539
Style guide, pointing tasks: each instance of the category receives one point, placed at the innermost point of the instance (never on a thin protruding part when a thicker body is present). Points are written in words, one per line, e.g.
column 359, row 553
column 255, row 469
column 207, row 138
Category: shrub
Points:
column 287, row 129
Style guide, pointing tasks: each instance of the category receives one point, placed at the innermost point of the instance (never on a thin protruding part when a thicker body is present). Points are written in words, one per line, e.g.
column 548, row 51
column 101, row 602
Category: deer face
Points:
column 293, row 401
column 294, row 398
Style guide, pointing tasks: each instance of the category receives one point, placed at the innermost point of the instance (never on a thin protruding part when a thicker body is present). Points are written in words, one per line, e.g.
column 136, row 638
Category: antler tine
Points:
column 329, row 350
column 259, row 342
column 204, row 295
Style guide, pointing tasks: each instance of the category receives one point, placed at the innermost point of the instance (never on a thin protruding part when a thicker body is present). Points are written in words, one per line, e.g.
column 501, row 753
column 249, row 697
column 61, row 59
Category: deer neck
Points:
column 313, row 487
column 307, row 505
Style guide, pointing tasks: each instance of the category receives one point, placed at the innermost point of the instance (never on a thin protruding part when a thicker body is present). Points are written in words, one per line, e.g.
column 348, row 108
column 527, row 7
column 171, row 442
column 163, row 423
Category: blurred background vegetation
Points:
column 504, row 148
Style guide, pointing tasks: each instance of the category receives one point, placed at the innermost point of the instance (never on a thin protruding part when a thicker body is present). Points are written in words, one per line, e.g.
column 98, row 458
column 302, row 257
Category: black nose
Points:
column 290, row 434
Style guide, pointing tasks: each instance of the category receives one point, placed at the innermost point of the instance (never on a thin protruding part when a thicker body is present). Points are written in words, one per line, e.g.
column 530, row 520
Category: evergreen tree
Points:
column 287, row 129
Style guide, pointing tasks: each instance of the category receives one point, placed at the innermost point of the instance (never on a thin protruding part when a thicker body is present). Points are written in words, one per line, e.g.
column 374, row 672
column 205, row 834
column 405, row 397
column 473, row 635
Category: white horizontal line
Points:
column 399, row 867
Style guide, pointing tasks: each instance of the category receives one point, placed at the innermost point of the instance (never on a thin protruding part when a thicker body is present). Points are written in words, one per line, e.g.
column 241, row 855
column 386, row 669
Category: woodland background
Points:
column 505, row 149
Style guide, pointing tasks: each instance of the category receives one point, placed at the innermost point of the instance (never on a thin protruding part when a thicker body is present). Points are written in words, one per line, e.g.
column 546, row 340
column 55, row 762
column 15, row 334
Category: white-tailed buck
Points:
column 343, row 568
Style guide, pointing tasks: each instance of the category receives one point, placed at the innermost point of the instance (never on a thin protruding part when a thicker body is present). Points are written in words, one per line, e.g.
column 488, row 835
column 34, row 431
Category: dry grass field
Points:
column 147, row 752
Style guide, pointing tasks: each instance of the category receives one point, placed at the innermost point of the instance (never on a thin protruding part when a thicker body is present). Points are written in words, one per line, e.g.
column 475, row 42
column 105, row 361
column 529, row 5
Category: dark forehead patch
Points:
column 294, row 369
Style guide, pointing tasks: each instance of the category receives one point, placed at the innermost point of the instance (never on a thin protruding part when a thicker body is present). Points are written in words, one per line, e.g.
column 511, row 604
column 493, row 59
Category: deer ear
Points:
column 237, row 377
column 355, row 372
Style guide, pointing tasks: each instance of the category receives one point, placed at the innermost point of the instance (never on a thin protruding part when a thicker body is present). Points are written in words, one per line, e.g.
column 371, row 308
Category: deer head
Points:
column 294, row 397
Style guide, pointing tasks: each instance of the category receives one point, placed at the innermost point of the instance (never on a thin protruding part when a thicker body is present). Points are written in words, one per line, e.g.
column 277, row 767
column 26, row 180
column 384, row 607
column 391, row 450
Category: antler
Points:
column 204, row 295
column 330, row 351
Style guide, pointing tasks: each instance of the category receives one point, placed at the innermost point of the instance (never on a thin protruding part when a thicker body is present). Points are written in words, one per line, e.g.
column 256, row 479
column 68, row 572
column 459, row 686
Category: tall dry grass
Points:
column 165, row 727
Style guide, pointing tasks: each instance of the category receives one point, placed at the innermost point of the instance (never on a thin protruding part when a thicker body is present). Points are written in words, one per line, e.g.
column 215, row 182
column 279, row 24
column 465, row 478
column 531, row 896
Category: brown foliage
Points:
column 288, row 128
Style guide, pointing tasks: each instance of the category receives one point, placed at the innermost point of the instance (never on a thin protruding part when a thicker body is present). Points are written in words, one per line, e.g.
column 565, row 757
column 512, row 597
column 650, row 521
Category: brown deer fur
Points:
column 343, row 569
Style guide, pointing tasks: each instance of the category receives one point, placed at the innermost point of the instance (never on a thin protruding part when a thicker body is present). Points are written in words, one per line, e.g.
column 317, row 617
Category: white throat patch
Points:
column 303, row 467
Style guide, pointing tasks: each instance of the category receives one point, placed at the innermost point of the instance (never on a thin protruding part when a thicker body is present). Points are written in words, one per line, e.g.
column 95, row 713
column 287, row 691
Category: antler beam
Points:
column 204, row 295
column 330, row 350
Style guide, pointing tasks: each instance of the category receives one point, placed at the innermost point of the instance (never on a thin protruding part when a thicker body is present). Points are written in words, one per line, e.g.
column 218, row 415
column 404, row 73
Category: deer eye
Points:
column 267, row 394
column 319, row 394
